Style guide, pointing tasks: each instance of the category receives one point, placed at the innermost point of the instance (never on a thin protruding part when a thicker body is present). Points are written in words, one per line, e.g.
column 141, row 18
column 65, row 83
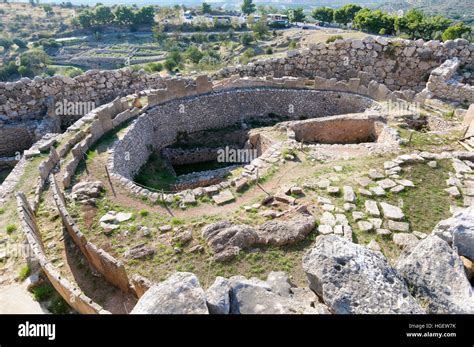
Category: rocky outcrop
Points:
column 181, row 293
column 351, row 278
column 459, row 231
column 435, row 274
column 286, row 232
column 87, row 192
column 217, row 296
column 227, row 239
column 253, row 296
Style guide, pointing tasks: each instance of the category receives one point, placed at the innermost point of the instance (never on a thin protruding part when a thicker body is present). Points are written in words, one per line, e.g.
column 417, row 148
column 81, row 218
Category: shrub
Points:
column 42, row 292
column 194, row 54
column 10, row 228
column 144, row 213
column 2, row 210
column 170, row 64
column 58, row 306
column 24, row 272
column 334, row 38
column 246, row 39
column 269, row 50
column 249, row 53
column 154, row 67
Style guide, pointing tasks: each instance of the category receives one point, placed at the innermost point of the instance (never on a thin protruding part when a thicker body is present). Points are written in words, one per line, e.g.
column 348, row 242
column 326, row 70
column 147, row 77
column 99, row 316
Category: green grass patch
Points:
column 156, row 174
column 24, row 272
column 43, row 292
column 10, row 228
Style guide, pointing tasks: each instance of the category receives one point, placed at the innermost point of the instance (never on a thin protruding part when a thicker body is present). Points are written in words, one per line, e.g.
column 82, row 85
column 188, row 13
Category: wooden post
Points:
column 110, row 181
column 465, row 132
column 410, row 138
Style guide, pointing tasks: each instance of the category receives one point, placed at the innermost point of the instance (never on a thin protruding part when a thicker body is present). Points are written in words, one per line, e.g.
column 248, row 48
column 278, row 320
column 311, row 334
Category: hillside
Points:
column 454, row 9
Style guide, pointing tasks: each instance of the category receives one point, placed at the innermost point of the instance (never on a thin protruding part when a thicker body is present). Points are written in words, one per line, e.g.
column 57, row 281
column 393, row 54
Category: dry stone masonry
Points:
column 340, row 85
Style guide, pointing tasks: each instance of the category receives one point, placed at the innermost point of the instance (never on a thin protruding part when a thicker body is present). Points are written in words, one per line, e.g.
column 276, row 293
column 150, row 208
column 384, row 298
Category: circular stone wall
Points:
column 161, row 124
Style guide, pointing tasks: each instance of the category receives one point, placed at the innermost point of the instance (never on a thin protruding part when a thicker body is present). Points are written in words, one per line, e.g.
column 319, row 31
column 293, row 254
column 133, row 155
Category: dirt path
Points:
column 15, row 299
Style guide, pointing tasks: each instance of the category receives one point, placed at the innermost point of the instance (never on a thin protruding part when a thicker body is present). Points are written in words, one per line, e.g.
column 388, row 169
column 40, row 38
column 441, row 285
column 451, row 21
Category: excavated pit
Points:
column 345, row 129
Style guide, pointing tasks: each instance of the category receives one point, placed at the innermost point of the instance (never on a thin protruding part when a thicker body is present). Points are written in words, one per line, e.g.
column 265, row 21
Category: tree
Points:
column 260, row 28
column 85, row 18
column 103, row 15
column 455, row 31
column 262, row 9
column 374, row 21
column 323, row 14
column 145, row 15
column 248, row 7
column 124, row 15
column 206, row 8
column 415, row 24
column 346, row 13
column 20, row 43
column 296, row 15
column 34, row 62
column 48, row 9
column 159, row 32
column 6, row 43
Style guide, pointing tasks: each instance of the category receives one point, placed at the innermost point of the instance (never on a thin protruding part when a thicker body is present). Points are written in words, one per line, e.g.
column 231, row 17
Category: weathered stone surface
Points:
column 353, row 279
column 286, row 232
column 391, row 211
column 386, row 183
column 435, row 274
column 371, row 208
column 453, row 191
column 223, row 197
column 398, row 226
column 279, row 283
column 374, row 246
column 377, row 190
column 365, row 226
column 86, row 192
column 227, row 239
column 459, row 231
column 405, row 241
column 139, row 251
column 325, row 229
column 252, row 297
column 349, row 195
column 217, row 296
column 180, row 293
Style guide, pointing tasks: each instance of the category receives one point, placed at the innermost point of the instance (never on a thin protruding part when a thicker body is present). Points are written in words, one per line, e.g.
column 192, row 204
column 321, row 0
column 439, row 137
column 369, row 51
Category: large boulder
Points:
column 217, row 296
column 459, row 231
column 351, row 278
column 435, row 274
column 181, row 293
column 279, row 283
column 286, row 232
column 226, row 239
column 253, row 296
column 87, row 192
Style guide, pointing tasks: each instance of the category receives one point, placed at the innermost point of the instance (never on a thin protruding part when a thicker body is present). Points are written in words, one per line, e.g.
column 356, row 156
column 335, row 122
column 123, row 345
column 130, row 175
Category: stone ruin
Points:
column 335, row 104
